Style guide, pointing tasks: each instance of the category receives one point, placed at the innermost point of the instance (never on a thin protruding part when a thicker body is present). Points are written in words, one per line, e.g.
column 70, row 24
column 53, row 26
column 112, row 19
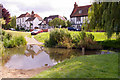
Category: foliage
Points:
column 85, row 40
column 56, row 22
column 9, row 41
column 13, row 22
column 14, row 42
column 6, row 15
column 2, row 21
column 105, row 15
column 114, row 44
column 62, row 38
column 57, row 36
column 90, row 66
column 68, row 23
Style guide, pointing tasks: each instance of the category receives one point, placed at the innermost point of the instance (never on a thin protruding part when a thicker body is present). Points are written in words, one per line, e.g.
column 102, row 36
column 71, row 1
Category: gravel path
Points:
column 32, row 41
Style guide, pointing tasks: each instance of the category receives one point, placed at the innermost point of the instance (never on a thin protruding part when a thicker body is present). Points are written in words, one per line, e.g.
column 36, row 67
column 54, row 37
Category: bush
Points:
column 85, row 40
column 115, row 44
column 62, row 38
column 58, row 37
column 14, row 42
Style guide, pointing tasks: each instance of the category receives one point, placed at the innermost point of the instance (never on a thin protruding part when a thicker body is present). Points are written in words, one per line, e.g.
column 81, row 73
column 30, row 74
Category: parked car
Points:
column 73, row 29
column 36, row 31
column 12, row 29
column 45, row 29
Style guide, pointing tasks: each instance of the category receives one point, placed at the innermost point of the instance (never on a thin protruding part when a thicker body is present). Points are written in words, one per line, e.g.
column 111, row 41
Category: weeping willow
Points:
column 105, row 15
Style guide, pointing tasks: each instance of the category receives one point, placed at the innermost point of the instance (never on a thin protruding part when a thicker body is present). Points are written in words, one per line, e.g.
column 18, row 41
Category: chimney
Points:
column 75, row 5
column 32, row 14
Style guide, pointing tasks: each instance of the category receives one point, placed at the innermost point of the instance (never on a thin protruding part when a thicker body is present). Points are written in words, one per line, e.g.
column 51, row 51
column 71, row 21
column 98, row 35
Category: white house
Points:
column 78, row 15
column 28, row 21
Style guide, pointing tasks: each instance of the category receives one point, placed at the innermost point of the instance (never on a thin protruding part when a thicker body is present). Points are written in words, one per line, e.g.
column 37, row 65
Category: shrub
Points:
column 62, row 38
column 20, row 40
column 58, row 37
column 85, row 40
column 115, row 44
column 14, row 42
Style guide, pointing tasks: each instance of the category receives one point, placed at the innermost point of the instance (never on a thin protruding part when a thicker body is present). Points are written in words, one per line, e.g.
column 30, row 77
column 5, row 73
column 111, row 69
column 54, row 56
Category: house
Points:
column 28, row 21
column 78, row 15
column 1, row 7
column 45, row 22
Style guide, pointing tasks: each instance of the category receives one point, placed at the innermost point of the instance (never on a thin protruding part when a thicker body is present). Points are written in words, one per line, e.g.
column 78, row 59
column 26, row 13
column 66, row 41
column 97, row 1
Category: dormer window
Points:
column 80, row 11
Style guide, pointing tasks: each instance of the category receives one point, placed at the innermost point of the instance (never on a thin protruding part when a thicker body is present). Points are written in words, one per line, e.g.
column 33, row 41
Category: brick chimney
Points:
column 75, row 5
column 32, row 14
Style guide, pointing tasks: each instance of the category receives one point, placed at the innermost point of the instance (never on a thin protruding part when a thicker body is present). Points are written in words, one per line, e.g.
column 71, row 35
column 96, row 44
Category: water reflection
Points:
column 33, row 56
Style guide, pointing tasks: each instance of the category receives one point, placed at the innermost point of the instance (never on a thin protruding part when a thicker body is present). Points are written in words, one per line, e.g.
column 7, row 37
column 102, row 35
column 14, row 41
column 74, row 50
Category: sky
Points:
column 43, row 8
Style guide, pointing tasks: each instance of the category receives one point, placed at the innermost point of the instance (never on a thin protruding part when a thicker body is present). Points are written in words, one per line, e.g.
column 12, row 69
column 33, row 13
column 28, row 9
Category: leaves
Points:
column 6, row 15
column 105, row 15
column 56, row 22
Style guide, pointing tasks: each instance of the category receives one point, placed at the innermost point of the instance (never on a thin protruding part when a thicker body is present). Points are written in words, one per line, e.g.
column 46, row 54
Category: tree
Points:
column 2, row 22
column 13, row 22
column 6, row 15
column 68, row 23
column 56, row 22
column 105, row 15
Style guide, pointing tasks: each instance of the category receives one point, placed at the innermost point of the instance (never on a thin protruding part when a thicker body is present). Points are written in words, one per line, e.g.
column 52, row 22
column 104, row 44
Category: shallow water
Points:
column 33, row 56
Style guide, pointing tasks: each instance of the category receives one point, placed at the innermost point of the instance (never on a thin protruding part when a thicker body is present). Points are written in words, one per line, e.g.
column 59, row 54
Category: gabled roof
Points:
column 84, row 9
column 31, row 19
column 30, row 16
column 24, row 15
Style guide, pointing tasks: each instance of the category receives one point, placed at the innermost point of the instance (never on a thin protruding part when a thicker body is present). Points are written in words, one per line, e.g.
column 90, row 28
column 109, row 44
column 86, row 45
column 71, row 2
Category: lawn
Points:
column 41, row 37
column 99, row 36
column 18, row 33
column 88, row 66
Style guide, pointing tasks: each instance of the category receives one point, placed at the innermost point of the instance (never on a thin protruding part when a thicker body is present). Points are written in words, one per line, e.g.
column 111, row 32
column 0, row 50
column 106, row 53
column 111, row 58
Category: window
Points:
column 80, row 11
column 78, row 18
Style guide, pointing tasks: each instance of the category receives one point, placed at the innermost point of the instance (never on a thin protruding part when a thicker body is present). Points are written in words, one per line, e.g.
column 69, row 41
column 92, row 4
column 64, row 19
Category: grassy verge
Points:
column 18, row 33
column 91, row 66
column 41, row 37
column 99, row 36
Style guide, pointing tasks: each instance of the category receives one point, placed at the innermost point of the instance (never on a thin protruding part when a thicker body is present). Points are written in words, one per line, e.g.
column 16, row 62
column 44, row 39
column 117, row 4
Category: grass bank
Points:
column 41, row 37
column 90, row 66
column 18, row 33
column 99, row 36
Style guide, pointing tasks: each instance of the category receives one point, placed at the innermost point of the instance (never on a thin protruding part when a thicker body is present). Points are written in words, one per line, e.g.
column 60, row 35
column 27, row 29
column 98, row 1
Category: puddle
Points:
column 33, row 56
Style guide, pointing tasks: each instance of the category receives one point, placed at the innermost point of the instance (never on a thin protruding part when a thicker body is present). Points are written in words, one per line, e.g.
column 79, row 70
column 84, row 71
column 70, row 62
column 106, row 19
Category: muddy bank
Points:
column 15, row 73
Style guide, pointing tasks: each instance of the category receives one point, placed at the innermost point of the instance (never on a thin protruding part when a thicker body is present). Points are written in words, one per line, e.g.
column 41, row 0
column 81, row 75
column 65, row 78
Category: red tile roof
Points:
column 36, row 15
column 75, row 12
column 31, row 16
column 24, row 15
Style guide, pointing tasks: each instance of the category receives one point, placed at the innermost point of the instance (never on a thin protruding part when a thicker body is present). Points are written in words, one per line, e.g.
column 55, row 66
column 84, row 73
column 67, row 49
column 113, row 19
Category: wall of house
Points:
column 21, row 21
column 78, row 21
column 36, row 22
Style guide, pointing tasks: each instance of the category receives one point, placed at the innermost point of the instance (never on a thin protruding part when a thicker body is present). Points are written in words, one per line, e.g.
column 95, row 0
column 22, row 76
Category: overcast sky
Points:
column 42, row 7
